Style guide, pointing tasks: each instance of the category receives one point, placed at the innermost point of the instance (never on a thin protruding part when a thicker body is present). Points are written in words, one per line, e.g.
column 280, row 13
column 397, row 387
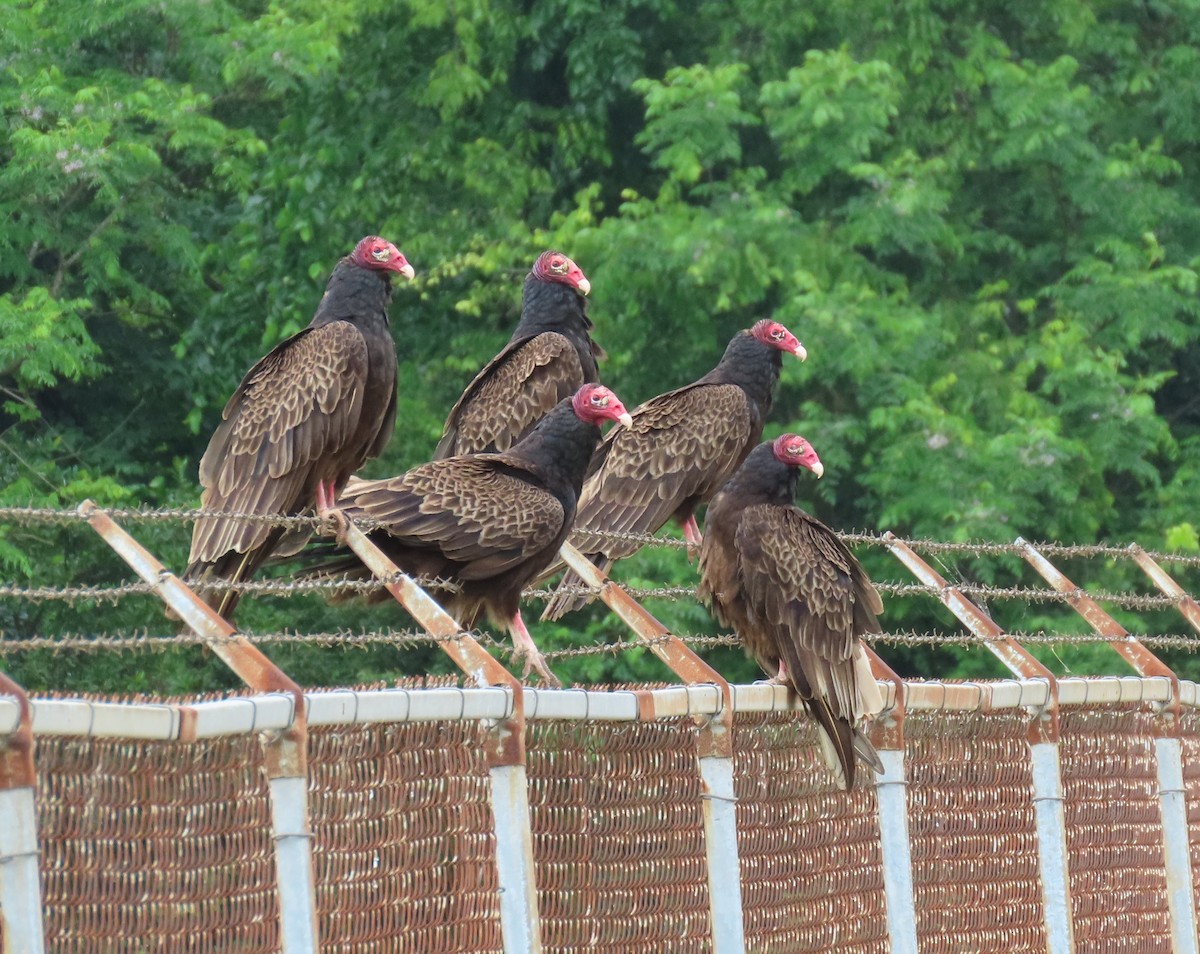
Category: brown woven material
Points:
column 1114, row 832
column 164, row 844
column 618, row 837
column 1190, row 744
column 403, row 845
column 971, row 823
column 812, row 871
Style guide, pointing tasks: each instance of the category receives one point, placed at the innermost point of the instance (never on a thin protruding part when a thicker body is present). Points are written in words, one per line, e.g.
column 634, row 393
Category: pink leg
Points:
column 333, row 521
column 691, row 533
column 524, row 648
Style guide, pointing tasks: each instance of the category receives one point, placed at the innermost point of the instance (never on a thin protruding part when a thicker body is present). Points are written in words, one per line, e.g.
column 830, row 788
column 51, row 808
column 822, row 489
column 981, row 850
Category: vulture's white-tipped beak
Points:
column 799, row 351
column 408, row 271
column 626, row 419
column 584, row 286
column 818, row 468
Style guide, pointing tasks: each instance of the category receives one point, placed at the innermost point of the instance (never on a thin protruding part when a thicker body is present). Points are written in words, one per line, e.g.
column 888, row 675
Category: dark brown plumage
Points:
column 303, row 419
column 796, row 596
column 488, row 523
column 681, row 447
column 549, row 357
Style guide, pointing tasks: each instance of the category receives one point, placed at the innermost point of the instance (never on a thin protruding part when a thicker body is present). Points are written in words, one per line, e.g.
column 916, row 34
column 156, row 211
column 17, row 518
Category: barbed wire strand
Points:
column 144, row 641
column 26, row 515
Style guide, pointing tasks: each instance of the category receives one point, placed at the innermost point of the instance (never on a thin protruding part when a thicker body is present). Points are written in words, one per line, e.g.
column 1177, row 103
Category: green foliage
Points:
column 982, row 222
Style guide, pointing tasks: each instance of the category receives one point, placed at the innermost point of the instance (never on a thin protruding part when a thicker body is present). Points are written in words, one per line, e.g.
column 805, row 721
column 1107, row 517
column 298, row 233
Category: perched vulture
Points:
column 487, row 523
column 798, row 599
column 301, row 422
column 549, row 357
column 681, row 447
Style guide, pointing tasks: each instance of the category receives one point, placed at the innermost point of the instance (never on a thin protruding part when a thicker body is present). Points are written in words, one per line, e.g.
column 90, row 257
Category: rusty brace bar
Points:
column 287, row 757
column 507, row 741
column 1166, row 583
column 1141, row 659
column 1018, row 660
column 716, row 731
column 16, row 752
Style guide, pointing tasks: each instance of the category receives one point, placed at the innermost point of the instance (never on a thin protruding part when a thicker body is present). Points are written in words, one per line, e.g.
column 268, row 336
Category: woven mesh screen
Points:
column 973, row 832
column 618, row 839
column 403, row 851
column 1114, row 832
column 156, row 846
column 1190, row 739
column 812, row 872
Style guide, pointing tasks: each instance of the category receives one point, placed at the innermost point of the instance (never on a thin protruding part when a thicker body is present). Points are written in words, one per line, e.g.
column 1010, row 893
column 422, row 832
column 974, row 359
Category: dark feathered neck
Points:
column 763, row 478
column 355, row 294
column 551, row 306
column 752, row 366
column 559, row 448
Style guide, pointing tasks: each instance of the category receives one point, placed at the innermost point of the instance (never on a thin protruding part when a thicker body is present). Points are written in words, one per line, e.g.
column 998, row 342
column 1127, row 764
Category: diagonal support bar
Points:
column 520, row 922
column 714, row 745
column 20, row 884
column 286, row 752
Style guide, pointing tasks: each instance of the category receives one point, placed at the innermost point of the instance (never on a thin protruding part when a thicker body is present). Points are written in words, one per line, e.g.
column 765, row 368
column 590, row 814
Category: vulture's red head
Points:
column 775, row 335
column 556, row 267
column 595, row 403
column 381, row 255
column 795, row 451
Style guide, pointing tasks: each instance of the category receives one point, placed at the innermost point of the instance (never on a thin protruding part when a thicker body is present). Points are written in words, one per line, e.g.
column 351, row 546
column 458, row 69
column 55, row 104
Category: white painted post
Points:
column 721, row 849
column 897, row 854
column 293, row 864
column 20, row 887
column 1171, row 803
column 520, row 926
column 1052, row 847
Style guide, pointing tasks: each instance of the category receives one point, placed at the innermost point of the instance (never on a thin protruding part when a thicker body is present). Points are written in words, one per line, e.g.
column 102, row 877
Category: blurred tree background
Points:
column 982, row 219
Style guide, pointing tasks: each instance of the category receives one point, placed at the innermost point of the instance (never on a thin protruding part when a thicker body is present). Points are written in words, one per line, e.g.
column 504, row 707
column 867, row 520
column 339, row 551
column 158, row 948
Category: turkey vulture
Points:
column 796, row 596
column 487, row 523
column 303, row 419
column 549, row 357
column 681, row 447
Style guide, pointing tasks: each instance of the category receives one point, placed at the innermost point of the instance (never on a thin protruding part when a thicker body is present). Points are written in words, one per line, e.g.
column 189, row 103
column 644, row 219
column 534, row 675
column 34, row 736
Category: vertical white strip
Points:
column 1052, row 847
column 1171, row 803
column 293, row 865
column 721, row 848
column 20, row 889
column 520, row 925
column 897, row 853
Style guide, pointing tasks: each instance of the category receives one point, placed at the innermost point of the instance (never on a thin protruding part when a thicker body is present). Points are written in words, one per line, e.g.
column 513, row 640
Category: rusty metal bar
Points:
column 1187, row 606
column 714, row 744
column 286, row 752
column 520, row 922
column 1018, row 660
column 20, row 884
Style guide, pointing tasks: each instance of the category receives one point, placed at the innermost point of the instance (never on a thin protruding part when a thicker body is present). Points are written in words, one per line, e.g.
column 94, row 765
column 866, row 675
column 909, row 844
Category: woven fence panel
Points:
column 618, row 837
column 153, row 846
column 812, row 871
column 404, row 851
column 1190, row 739
column 1114, row 832
column 973, row 833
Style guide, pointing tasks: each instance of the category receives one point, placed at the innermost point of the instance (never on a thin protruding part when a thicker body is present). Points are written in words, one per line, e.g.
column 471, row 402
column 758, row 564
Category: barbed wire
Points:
column 145, row 641
column 28, row 515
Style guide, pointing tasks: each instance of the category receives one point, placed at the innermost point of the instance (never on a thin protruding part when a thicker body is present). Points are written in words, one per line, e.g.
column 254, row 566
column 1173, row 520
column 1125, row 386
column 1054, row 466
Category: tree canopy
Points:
column 982, row 219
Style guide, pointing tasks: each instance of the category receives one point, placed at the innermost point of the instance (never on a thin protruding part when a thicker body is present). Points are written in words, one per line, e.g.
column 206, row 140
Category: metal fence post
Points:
column 20, row 884
column 286, row 751
column 520, row 922
column 714, row 746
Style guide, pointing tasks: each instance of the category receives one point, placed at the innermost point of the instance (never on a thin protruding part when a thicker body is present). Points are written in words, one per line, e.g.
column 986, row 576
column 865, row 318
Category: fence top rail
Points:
column 343, row 707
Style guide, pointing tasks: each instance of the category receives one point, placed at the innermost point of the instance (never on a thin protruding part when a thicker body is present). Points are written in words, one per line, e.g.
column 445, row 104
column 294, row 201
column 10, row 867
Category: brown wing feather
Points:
column 512, row 393
column 682, row 445
column 472, row 512
column 286, row 427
